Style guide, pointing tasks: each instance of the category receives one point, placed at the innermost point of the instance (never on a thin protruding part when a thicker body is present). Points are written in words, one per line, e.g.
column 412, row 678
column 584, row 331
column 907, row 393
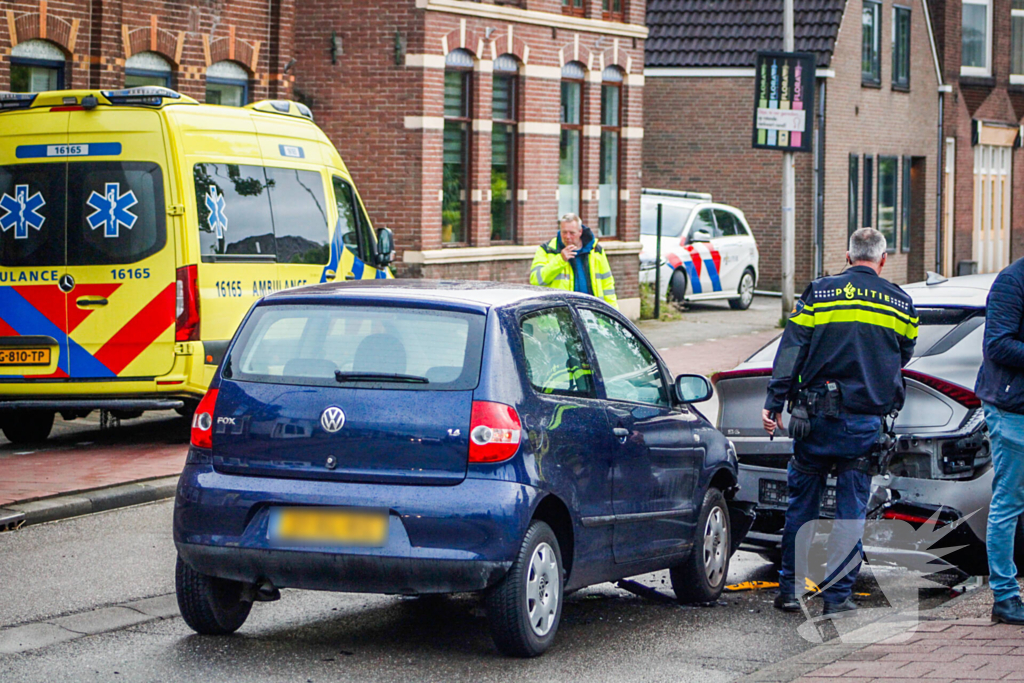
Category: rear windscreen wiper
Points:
column 378, row 377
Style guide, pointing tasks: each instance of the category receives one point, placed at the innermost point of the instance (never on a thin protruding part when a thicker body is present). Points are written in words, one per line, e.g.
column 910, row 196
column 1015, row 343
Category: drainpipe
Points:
column 940, row 181
column 819, row 184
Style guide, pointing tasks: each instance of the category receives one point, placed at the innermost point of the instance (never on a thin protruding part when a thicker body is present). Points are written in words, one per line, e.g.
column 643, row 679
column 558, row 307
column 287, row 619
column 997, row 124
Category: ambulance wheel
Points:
column 746, row 292
column 677, row 286
column 27, row 427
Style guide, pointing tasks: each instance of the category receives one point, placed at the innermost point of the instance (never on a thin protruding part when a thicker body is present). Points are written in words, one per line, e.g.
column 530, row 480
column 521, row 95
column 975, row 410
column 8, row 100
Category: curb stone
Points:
column 827, row 653
column 16, row 515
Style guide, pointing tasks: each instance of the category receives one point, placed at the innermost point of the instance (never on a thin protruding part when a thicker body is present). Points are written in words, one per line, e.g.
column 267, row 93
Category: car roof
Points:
column 965, row 291
column 480, row 295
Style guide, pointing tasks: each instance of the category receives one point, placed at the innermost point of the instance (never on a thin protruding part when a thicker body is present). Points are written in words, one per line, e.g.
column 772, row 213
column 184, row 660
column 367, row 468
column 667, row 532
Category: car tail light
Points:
column 740, row 374
column 912, row 518
column 186, row 305
column 961, row 395
column 494, row 432
column 202, row 421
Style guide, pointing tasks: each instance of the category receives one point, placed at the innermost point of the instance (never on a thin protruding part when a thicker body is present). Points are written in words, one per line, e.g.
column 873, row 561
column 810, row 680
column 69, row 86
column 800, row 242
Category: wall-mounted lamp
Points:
column 290, row 64
column 335, row 47
column 399, row 49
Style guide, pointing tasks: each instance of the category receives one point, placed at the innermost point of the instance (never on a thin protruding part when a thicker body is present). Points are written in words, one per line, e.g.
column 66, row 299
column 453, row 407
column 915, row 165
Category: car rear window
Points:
column 359, row 346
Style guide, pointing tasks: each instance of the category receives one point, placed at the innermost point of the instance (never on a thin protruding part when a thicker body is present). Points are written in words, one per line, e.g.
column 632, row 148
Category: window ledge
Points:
column 875, row 85
column 900, row 88
column 979, row 76
column 1016, row 79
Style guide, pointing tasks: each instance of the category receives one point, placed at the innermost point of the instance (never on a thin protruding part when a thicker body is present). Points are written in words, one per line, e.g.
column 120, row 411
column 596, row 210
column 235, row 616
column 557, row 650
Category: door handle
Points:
column 91, row 301
column 622, row 433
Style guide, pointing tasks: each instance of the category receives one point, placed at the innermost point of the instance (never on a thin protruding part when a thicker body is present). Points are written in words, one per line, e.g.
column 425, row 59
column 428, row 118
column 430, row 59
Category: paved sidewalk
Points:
column 946, row 650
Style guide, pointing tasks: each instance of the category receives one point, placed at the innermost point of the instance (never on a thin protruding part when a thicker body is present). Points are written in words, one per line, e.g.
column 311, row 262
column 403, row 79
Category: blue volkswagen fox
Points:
column 440, row 437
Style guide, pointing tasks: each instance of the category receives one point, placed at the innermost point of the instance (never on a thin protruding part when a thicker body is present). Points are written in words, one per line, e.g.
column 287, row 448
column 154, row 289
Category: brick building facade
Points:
column 981, row 51
column 452, row 115
column 698, row 118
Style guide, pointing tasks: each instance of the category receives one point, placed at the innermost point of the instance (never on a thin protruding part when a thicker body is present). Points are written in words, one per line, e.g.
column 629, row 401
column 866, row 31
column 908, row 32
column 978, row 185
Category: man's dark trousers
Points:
column 832, row 442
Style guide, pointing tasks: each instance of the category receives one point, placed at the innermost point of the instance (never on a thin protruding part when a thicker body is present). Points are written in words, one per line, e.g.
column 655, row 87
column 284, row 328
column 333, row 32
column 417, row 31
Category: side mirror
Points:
column 700, row 236
column 693, row 388
column 385, row 246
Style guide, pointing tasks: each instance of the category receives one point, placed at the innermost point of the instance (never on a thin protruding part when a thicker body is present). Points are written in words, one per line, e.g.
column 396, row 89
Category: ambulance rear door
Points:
column 119, row 253
column 33, row 175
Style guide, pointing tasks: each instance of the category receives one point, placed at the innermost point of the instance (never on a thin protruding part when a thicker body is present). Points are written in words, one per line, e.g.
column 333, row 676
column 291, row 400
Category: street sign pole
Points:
column 788, row 187
column 657, row 269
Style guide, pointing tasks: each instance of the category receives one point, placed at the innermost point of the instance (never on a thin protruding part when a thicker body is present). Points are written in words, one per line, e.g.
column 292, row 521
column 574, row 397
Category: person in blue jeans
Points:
column 1000, row 387
column 839, row 366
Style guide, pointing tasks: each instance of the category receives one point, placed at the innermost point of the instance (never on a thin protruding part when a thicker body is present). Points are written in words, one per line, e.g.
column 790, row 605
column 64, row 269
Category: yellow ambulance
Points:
column 138, row 226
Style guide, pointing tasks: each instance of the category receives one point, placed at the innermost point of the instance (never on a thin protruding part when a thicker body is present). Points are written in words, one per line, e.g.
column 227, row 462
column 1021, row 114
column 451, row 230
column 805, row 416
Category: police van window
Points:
column 629, row 370
column 115, row 212
column 352, row 220
column 233, row 204
column 673, row 219
column 32, row 215
column 726, row 223
column 704, row 221
column 556, row 362
column 300, row 215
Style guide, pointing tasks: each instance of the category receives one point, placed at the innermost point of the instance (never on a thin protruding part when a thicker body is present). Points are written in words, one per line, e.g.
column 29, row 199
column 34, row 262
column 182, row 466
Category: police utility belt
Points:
column 826, row 401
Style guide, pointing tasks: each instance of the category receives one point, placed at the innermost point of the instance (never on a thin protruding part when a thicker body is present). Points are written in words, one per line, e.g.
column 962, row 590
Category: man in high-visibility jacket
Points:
column 575, row 262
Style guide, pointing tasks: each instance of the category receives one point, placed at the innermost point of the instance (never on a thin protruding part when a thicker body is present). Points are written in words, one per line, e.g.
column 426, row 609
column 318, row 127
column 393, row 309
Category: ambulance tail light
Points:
column 186, row 305
column 202, row 421
column 494, row 432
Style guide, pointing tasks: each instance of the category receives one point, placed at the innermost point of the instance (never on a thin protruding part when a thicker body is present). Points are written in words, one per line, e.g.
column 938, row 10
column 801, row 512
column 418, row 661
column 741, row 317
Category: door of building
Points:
column 992, row 194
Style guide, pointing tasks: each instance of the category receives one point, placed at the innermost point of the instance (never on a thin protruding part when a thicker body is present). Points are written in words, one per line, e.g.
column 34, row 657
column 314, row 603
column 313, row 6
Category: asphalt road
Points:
column 607, row 634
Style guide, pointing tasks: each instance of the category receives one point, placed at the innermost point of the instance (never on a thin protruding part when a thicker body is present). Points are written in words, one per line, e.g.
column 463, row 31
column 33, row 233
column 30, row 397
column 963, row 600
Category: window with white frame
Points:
column 1017, row 41
column 976, row 38
column 36, row 66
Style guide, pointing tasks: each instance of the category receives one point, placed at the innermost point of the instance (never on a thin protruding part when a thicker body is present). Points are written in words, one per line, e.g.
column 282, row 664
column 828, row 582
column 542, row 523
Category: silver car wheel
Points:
column 715, row 550
column 542, row 589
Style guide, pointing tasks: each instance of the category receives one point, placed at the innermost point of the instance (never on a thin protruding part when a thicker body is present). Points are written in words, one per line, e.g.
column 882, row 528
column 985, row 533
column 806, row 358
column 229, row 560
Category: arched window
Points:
column 147, row 68
column 458, row 77
column 36, row 65
column 611, row 130
column 503, row 148
column 570, row 145
column 227, row 83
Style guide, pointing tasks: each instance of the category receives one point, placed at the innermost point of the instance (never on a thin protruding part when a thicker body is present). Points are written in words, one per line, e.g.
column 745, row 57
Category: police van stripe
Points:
column 691, row 270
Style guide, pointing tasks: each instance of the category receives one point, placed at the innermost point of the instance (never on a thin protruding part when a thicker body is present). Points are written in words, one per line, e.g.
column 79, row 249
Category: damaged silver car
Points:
column 940, row 477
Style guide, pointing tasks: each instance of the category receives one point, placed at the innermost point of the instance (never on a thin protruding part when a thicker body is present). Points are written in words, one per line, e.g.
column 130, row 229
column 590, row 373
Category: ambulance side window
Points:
column 300, row 216
column 235, row 218
column 115, row 212
column 352, row 222
column 32, row 215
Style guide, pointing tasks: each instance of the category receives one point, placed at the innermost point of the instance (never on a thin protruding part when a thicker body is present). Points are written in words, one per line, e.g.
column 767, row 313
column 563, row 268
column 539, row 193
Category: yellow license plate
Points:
column 24, row 356
column 324, row 526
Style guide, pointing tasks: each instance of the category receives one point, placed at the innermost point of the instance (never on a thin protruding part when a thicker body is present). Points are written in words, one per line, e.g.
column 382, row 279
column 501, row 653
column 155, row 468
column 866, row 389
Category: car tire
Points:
column 187, row 409
column 701, row 578
column 525, row 608
column 746, row 292
column 210, row 606
column 28, row 427
column 677, row 286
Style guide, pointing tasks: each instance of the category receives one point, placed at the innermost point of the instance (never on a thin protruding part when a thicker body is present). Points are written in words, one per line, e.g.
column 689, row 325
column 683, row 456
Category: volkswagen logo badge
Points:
column 332, row 419
column 66, row 283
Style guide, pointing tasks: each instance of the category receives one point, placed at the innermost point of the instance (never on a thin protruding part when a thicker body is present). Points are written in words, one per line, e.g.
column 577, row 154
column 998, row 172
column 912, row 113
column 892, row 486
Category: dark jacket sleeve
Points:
column 1003, row 317
column 789, row 359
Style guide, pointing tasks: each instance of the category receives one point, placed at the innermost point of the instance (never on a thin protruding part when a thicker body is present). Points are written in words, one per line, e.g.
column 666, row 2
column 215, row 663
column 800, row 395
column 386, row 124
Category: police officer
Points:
column 839, row 366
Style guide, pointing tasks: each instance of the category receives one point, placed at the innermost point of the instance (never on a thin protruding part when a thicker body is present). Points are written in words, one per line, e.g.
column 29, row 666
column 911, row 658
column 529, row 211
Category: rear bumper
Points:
column 340, row 572
column 441, row 539
column 93, row 404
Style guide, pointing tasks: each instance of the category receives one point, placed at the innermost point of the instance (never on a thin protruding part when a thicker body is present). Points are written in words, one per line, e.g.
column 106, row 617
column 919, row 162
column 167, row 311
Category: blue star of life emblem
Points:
column 22, row 212
column 111, row 209
column 215, row 203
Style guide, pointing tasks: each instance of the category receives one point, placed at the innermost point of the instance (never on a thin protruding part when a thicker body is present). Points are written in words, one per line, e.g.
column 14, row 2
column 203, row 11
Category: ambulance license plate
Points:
column 325, row 526
column 24, row 356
